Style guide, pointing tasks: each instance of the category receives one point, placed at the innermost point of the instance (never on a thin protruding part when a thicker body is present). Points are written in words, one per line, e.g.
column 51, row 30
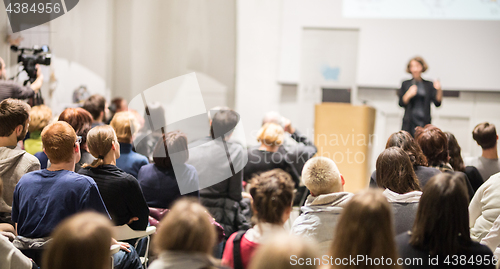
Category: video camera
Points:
column 30, row 57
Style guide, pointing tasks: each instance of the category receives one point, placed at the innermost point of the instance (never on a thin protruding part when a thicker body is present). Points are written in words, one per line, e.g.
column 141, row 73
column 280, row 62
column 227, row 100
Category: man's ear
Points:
column 113, row 145
column 19, row 130
column 342, row 179
column 77, row 148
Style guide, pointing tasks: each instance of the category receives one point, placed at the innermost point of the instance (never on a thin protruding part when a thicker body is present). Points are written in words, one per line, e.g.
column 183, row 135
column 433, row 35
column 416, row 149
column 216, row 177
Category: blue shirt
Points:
column 43, row 198
column 129, row 161
column 42, row 157
column 160, row 185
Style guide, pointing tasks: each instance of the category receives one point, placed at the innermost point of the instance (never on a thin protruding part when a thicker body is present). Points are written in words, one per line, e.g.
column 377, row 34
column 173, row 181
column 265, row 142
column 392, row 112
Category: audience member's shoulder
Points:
column 146, row 167
column 31, row 159
column 81, row 178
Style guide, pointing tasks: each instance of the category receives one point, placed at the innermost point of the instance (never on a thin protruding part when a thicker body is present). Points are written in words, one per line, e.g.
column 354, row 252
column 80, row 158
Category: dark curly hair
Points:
column 272, row 194
column 405, row 141
column 433, row 143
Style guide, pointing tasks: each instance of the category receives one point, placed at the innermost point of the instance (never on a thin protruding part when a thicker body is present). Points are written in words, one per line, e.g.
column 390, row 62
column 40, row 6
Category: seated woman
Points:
column 440, row 232
column 456, row 161
column 434, row 145
column 169, row 177
column 365, row 228
column 272, row 194
column 270, row 154
column 405, row 141
column 185, row 238
column 395, row 174
column 125, row 124
column 80, row 242
column 120, row 191
column 81, row 120
column 40, row 117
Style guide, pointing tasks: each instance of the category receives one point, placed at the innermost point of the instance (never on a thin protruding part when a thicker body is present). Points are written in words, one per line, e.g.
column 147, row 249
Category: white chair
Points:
column 124, row 232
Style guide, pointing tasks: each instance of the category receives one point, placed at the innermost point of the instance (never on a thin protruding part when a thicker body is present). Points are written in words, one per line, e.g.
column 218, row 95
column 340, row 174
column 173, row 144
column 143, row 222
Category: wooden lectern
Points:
column 344, row 133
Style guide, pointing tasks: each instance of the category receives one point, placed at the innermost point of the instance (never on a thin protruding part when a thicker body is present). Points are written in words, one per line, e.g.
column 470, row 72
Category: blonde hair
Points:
column 100, row 140
column 321, row 176
column 58, row 141
column 187, row 227
column 80, row 242
column 277, row 253
column 271, row 134
column 124, row 123
column 40, row 117
column 365, row 228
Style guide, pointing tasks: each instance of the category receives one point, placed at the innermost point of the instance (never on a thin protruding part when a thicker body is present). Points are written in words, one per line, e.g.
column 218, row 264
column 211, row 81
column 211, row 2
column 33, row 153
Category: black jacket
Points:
column 430, row 96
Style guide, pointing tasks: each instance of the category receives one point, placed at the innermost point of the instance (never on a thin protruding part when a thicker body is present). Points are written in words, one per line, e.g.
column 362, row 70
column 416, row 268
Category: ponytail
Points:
column 99, row 142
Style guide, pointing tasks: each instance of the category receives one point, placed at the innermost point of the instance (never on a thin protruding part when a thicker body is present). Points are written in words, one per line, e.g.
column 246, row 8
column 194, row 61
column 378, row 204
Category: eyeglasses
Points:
column 78, row 139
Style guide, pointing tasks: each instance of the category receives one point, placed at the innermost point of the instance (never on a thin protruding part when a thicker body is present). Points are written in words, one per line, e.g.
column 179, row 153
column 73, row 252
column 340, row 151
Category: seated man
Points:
column 219, row 163
column 325, row 203
column 488, row 163
column 43, row 198
column 14, row 119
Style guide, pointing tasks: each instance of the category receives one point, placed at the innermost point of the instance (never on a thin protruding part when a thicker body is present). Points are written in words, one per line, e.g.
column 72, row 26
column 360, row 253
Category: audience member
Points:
column 456, row 161
column 324, row 205
column 40, row 117
column 169, row 177
column 285, row 252
column 120, row 191
column 405, row 141
column 10, row 256
column 270, row 154
column 395, row 175
column 488, row 164
column 485, row 207
column 80, row 242
column 220, row 177
column 365, row 228
column 81, row 121
column 272, row 194
column 59, row 191
column 14, row 120
column 185, row 238
column 124, row 124
column 146, row 139
column 298, row 147
column 434, row 145
column 440, row 232
column 96, row 105
column 118, row 104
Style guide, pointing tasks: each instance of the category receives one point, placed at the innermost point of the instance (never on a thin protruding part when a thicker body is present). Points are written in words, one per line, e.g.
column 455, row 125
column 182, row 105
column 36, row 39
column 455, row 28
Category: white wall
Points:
column 258, row 38
column 462, row 54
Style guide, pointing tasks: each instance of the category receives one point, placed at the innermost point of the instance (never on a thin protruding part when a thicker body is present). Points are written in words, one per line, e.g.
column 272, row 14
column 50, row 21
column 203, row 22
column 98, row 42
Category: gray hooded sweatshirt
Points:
column 14, row 163
column 319, row 218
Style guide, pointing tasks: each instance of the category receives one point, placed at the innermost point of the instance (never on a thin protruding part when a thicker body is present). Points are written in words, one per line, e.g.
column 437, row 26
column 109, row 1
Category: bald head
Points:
column 273, row 117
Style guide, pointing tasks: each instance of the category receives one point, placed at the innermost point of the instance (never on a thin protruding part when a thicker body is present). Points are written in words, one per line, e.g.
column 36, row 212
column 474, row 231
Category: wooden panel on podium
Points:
column 344, row 133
